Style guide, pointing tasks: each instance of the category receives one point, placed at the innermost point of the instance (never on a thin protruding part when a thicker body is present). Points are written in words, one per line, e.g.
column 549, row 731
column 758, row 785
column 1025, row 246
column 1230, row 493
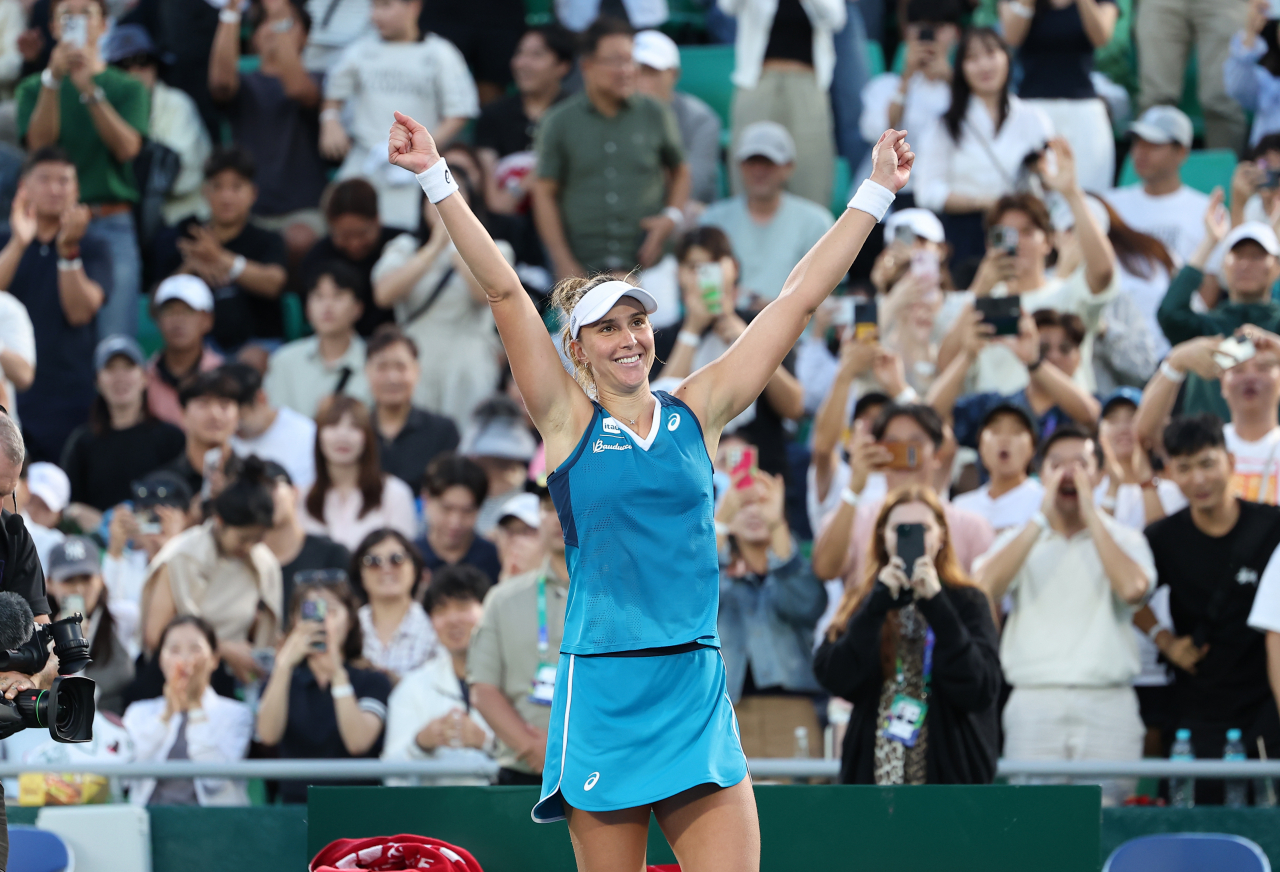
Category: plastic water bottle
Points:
column 1182, row 791
column 802, row 742
column 1237, row 794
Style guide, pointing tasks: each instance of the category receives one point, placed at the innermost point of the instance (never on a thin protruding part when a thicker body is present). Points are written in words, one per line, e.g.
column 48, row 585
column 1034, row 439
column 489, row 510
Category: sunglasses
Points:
column 375, row 561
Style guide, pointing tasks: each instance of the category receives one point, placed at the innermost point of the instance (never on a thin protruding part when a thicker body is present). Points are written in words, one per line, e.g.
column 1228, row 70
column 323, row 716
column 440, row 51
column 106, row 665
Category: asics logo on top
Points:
column 674, row 421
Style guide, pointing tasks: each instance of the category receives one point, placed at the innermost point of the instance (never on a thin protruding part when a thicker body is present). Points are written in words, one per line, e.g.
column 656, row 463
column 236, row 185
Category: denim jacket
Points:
column 769, row 621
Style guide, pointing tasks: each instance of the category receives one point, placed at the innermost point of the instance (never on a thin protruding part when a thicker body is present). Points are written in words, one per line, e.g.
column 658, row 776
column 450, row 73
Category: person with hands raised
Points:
column 914, row 649
column 1131, row 492
column 188, row 722
column 1075, row 577
column 1251, row 72
column 322, row 701
column 591, row 423
column 770, row 603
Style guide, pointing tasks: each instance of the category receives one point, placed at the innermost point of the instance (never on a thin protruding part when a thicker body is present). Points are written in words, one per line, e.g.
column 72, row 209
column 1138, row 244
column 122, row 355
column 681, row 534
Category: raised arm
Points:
column 721, row 390
column 555, row 401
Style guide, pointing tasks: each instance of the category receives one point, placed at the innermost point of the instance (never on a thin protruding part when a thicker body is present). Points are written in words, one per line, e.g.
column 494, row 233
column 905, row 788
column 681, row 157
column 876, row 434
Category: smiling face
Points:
column 1203, row 477
column 610, row 70
column 387, row 572
column 618, row 348
column 985, row 66
column 121, row 382
column 1006, row 447
column 211, row 420
column 451, row 517
column 535, row 67
column 342, row 443
column 1249, row 271
column 453, row 620
column 186, row 652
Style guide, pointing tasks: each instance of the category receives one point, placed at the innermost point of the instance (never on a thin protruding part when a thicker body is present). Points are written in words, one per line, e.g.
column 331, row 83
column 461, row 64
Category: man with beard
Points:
column 1074, row 576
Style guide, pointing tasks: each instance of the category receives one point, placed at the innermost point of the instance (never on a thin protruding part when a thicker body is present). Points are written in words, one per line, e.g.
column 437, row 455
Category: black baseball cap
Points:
column 1018, row 412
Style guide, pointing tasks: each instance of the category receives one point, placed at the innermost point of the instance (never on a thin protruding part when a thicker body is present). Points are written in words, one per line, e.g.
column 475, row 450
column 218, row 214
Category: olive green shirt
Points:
column 610, row 174
column 102, row 178
column 504, row 647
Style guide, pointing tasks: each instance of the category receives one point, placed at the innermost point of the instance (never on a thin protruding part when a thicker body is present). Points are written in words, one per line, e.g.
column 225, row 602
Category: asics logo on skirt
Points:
column 591, row 781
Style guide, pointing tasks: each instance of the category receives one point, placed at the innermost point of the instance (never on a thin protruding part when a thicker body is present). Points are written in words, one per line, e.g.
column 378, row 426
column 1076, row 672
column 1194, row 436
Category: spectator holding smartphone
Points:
column 905, row 443
column 1076, row 576
column 914, row 648
column 322, row 701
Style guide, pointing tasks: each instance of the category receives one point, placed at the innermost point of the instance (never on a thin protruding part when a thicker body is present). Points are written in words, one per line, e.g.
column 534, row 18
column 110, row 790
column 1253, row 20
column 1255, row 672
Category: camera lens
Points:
column 70, row 645
column 73, row 708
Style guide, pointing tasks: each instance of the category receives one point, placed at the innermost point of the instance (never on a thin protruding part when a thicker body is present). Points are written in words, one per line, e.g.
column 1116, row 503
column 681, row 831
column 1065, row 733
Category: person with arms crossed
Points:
column 610, row 341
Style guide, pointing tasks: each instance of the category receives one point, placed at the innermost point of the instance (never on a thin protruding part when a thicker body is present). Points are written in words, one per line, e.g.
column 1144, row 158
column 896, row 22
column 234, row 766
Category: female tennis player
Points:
column 639, row 715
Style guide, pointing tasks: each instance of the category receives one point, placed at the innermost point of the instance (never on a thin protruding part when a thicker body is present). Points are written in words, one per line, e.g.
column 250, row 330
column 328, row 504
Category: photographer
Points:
column 19, row 571
column 936, row 625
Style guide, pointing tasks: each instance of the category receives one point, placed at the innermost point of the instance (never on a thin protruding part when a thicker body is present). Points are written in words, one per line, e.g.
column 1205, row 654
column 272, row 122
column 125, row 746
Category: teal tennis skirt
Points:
column 630, row 731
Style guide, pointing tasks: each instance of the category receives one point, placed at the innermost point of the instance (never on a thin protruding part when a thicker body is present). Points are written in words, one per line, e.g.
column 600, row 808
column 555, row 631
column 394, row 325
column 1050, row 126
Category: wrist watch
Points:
column 97, row 95
column 1150, row 484
column 1032, row 367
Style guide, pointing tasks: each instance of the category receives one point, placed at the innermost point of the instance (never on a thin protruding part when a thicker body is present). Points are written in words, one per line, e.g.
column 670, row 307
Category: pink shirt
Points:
column 342, row 520
column 971, row 536
column 162, row 397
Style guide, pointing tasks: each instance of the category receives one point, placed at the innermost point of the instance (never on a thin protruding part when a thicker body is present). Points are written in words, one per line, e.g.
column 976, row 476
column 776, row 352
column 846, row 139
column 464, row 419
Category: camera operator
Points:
column 19, row 572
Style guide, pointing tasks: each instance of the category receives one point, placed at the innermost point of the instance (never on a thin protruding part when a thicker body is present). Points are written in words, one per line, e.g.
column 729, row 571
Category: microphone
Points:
column 17, row 623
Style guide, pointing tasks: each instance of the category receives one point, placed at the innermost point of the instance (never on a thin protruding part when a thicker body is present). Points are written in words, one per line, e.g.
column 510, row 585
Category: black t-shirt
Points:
column 102, row 466
column 238, row 314
column 325, row 252
column 1057, row 56
column 183, row 31
column 504, row 127
column 425, row 435
column 766, row 431
column 1212, row 582
column 311, row 730
column 318, row 552
column 482, row 554
column 20, row 570
column 791, row 36
column 181, row 466
column 59, row 399
column 283, row 136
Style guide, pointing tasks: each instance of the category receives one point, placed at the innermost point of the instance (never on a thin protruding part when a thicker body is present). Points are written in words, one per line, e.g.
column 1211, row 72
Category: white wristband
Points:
column 437, row 182
column 338, row 691
column 1174, row 375
column 676, row 216
column 331, row 114
column 688, row 337
column 848, row 496
column 907, row 397
column 722, row 529
column 237, row 267
column 872, row 198
column 1155, row 631
column 1019, row 9
column 49, row 80
column 69, row 265
column 1039, row 520
column 229, row 16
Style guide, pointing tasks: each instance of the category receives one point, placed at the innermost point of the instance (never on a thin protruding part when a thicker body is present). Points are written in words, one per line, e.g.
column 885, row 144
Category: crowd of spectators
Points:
column 275, row 455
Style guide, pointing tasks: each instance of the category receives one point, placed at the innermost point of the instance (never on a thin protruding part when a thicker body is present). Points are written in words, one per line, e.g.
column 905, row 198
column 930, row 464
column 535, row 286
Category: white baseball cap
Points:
column 767, row 139
column 654, row 48
column 921, row 222
column 1258, row 231
column 1164, row 124
column 522, row 507
column 50, row 484
column 597, row 302
column 189, row 289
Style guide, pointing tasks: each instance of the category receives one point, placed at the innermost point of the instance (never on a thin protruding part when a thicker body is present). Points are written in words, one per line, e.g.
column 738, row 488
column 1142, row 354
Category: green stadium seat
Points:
column 295, row 322
column 705, row 72
column 248, row 64
column 900, row 59
column 1204, row 170
column 840, row 187
column 875, row 57
column 539, row 13
column 148, row 333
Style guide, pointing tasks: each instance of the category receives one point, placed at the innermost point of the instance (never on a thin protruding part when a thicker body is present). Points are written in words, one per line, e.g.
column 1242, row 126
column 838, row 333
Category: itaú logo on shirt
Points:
column 601, row 445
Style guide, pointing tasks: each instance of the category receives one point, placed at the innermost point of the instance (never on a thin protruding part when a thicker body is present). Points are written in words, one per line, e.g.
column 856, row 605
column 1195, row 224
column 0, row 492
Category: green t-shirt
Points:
column 103, row 179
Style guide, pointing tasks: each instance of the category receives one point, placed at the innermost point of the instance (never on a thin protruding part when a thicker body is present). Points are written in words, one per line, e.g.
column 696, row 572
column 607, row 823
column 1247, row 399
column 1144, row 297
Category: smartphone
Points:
column 925, row 265
column 910, row 544
column 1233, row 352
column 711, row 284
column 902, row 234
column 1004, row 239
column 866, row 321
column 75, row 30
column 148, row 522
column 1000, row 312
column 314, row 609
column 925, row 34
column 72, row 604
column 744, row 464
column 905, row 455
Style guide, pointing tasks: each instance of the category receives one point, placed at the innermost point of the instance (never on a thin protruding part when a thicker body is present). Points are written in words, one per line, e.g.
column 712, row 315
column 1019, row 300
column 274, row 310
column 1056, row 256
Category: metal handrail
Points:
column 780, row 767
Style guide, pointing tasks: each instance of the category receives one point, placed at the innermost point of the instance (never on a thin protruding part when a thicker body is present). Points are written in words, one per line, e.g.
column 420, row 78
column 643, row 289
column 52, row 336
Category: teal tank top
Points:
column 639, row 533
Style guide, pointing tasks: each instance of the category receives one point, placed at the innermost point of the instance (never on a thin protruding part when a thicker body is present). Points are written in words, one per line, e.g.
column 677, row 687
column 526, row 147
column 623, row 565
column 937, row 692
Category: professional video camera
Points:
column 66, row 709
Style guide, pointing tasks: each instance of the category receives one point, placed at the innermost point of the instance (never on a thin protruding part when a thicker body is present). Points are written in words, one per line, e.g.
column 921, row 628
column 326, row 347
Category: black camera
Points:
column 67, row 708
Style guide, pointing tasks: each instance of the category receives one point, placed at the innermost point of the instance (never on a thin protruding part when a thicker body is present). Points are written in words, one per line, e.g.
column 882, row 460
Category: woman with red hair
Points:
column 914, row 648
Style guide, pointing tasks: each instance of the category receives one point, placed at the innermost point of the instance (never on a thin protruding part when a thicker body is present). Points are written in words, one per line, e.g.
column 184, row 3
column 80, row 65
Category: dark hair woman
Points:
column 386, row 571
column 914, row 648
column 322, row 702
column 351, row 495
column 976, row 154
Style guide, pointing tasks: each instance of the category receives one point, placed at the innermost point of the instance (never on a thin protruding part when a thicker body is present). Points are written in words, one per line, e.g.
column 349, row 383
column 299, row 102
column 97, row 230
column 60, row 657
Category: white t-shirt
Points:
column 1257, row 472
column 18, row 336
column 927, row 100
column 1147, row 294
column 1175, row 219
column 1011, row 509
column 874, row 491
column 289, row 442
column 1265, row 614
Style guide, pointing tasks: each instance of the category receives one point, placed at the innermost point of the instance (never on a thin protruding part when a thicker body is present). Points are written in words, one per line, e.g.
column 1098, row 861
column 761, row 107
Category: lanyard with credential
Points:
column 543, row 646
column 927, row 667
column 544, row 678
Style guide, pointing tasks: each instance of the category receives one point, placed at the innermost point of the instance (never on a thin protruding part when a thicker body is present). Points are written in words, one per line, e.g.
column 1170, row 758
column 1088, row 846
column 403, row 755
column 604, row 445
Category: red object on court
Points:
column 674, row 867
column 393, row 854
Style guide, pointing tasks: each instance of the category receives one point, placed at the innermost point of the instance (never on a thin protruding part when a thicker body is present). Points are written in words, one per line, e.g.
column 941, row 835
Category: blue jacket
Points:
column 768, row 621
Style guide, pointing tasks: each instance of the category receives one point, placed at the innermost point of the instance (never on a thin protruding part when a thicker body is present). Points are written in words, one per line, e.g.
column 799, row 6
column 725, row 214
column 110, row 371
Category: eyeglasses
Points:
column 376, row 561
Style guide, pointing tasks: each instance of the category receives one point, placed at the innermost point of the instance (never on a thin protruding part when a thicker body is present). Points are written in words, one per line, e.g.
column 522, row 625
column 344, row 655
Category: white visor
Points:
column 597, row 302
